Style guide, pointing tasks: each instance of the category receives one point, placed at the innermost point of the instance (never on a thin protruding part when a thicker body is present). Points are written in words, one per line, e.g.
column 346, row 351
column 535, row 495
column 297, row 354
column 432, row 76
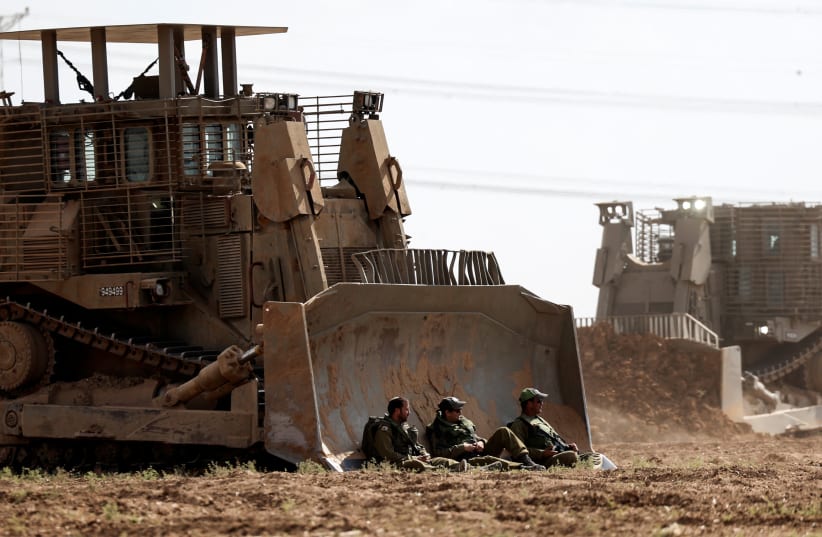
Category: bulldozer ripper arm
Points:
column 231, row 368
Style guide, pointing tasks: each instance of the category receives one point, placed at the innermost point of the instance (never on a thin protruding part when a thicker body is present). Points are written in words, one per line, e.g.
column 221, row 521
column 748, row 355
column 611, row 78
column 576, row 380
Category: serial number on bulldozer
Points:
column 112, row 290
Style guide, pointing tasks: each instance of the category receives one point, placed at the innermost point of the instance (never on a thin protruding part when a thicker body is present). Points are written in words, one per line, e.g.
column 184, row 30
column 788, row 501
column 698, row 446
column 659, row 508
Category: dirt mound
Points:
column 642, row 388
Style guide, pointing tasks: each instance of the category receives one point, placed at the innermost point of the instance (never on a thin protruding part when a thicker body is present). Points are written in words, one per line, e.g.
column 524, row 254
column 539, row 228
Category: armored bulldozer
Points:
column 750, row 273
column 225, row 271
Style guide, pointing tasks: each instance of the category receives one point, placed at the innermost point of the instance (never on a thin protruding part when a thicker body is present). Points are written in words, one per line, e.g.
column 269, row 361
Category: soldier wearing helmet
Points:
column 453, row 435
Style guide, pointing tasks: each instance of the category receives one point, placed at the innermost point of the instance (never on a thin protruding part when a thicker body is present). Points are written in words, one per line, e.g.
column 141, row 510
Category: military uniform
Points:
column 448, row 440
column 397, row 444
column 538, row 435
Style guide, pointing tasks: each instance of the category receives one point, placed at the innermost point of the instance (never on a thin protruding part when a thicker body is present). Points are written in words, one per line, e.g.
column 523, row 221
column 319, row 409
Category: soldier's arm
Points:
column 478, row 441
column 385, row 447
column 520, row 429
column 559, row 443
column 421, row 453
column 441, row 448
column 523, row 430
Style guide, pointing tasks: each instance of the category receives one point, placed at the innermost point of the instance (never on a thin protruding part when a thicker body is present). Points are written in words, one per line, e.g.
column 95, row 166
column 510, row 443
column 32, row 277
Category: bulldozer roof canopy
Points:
column 138, row 33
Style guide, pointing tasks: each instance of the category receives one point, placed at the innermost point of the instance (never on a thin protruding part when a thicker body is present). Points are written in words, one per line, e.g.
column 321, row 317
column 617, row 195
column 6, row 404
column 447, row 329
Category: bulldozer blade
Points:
column 337, row 359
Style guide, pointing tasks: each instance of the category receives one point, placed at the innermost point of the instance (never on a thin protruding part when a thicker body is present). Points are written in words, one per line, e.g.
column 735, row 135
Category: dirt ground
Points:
column 684, row 469
column 752, row 486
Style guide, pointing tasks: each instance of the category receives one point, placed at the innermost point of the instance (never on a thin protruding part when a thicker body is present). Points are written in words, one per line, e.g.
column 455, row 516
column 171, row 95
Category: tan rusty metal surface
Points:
column 308, row 255
column 231, row 429
column 283, row 178
column 292, row 428
column 98, row 390
column 365, row 158
column 120, row 290
column 369, row 343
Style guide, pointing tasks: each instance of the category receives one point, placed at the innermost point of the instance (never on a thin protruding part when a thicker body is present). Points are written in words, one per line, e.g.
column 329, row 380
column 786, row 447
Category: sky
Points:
column 512, row 118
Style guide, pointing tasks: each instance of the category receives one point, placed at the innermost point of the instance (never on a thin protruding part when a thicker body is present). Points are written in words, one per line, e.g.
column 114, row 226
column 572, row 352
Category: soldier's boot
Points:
column 494, row 466
column 529, row 464
column 565, row 458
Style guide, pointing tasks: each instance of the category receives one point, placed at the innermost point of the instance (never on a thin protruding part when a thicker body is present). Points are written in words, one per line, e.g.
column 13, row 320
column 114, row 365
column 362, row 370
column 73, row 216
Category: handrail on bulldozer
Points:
column 665, row 325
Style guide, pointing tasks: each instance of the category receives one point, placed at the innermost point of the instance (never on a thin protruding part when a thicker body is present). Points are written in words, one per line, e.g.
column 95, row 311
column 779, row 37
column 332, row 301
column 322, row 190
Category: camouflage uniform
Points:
column 447, row 440
column 397, row 444
column 538, row 435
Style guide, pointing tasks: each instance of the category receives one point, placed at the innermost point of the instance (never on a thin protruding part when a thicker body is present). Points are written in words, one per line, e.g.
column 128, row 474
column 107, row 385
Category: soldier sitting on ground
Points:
column 453, row 435
column 391, row 439
column 544, row 444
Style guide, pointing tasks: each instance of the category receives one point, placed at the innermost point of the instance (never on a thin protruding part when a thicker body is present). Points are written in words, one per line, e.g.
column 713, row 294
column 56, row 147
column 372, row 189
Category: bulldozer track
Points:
column 164, row 356
column 176, row 361
column 774, row 372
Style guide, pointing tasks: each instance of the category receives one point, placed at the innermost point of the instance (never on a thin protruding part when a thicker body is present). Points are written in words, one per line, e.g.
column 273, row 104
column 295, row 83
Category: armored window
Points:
column 213, row 143
column 191, row 149
column 106, row 158
column 743, row 283
column 771, row 236
column 233, row 143
column 137, row 154
column 249, row 133
column 71, row 157
column 60, row 157
column 84, row 156
column 775, row 288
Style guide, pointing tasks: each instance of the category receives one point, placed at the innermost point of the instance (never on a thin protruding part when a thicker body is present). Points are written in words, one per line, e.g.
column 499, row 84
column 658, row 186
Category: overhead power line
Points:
column 596, row 189
column 529, row 94
column 296, row 78
column 7, row 22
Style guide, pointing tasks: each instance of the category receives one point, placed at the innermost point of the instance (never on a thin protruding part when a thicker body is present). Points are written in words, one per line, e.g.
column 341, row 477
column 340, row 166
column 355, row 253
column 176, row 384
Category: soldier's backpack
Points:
column 368, row 433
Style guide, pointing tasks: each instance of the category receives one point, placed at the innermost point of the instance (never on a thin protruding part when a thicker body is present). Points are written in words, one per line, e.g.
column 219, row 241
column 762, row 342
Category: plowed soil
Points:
column 684, row 469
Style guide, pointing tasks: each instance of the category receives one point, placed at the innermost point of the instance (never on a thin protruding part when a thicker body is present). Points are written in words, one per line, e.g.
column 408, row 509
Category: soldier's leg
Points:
column 504, row 438
column 495, row 462
column 444, row 462
column 413, row 464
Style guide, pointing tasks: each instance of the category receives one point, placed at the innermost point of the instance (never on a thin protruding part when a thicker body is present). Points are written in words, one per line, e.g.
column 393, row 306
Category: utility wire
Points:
column 296, row 78
column 524, row 183
column 621, row 192
column 7, row 22
column 532, row 94
column 519, row 96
